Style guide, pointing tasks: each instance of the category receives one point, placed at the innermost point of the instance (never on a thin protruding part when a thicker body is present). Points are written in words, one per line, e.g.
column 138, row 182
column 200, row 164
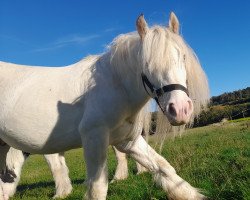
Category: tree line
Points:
column 230, row 98
column 231, row 105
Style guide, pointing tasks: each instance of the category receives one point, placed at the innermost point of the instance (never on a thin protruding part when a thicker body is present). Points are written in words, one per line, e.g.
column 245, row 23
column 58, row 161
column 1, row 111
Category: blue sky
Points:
column 61, row 32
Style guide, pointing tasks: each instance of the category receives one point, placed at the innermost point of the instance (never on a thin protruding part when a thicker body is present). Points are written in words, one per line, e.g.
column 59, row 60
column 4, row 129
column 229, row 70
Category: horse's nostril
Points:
column 185, row 111
column 172, row 110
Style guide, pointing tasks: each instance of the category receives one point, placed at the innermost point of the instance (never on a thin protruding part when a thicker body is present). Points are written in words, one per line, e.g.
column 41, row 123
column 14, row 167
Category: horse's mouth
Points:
column 173, row 121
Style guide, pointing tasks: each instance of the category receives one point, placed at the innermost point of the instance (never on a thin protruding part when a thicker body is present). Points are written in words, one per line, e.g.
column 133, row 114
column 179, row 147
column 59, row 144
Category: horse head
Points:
column 166, row 61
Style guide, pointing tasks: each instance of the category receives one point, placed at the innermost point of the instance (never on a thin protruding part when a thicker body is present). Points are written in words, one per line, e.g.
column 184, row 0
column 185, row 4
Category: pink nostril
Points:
column 172, row 110
column 185, row 111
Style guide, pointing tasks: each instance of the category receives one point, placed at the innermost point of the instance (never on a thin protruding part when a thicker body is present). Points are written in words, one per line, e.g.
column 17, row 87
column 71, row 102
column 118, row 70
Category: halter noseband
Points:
column 160, row 91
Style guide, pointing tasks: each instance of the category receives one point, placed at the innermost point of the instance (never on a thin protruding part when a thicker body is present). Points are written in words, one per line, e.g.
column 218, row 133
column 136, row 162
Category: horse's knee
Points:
column 125, row 147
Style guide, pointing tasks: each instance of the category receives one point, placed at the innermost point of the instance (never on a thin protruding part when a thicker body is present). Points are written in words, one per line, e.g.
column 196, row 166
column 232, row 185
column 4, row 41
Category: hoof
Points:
column 63, row 193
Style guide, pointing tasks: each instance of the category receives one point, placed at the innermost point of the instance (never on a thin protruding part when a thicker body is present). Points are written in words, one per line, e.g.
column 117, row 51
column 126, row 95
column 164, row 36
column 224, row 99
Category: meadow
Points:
column 215, row 158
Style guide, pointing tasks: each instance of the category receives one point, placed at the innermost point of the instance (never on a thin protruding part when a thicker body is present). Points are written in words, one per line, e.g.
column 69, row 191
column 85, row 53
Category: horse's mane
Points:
column 127, row 52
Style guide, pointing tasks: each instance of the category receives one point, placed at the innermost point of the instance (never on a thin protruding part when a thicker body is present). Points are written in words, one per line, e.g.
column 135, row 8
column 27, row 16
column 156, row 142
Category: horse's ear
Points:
column 141, row 26
column 174, row 23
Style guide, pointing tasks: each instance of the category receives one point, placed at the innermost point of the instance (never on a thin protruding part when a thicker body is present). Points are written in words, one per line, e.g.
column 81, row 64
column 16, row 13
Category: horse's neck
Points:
column 136, row 92
column 128, row 74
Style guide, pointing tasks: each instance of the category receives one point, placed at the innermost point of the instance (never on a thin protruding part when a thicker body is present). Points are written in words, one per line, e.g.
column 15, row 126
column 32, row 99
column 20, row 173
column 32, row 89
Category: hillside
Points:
column 232, row 98
column 232, row 105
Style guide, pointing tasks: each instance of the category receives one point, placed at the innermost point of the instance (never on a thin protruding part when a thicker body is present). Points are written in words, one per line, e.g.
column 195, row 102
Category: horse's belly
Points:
column 44, row 130
column 46, row 143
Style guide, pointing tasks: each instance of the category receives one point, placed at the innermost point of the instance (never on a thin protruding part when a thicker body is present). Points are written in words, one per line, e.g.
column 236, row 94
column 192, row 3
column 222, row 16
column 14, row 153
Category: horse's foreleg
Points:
column 140, row 168
column 95, row 144
column 12, row 171
column 60, row 174
column 165, row 175
column 122, row 166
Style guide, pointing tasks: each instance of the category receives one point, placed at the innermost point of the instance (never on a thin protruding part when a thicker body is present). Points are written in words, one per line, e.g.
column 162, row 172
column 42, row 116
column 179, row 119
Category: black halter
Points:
column 160, row 91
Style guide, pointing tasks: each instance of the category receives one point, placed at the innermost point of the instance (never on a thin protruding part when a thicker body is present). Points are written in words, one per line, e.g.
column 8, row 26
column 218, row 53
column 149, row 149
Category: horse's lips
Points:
column 172, row 121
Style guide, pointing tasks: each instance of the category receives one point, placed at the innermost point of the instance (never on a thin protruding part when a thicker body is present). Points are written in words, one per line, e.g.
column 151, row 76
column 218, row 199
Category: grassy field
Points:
column 214, row 158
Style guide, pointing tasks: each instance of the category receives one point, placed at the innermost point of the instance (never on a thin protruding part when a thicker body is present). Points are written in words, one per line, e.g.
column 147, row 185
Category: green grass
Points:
column 241, row 119
column 215, row 159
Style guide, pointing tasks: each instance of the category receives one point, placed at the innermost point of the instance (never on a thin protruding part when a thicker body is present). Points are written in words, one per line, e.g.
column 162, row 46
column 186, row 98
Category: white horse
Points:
column 95, row 103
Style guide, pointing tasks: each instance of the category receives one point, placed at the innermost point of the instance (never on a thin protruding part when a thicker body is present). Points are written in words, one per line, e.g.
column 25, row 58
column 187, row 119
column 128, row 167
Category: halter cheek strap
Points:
column 160, row 91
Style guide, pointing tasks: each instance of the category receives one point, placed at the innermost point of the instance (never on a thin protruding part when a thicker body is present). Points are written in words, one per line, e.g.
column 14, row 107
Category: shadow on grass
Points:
column 32, row 186
column 43, row 184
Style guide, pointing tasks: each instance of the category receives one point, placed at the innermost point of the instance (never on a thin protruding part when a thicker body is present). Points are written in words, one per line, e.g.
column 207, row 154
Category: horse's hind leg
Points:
column 11, row 172
column 121, row 171
column 165, row 175
column 60, row 174
column 4, row 148
column 122, row 166
column 11, row 162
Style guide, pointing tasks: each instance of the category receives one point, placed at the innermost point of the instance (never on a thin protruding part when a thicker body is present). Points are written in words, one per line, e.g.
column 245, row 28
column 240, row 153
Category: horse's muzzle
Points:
column 179, row 114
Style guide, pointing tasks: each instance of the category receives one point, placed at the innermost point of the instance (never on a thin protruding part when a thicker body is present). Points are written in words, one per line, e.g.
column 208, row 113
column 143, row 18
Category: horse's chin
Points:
column 175, row 122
